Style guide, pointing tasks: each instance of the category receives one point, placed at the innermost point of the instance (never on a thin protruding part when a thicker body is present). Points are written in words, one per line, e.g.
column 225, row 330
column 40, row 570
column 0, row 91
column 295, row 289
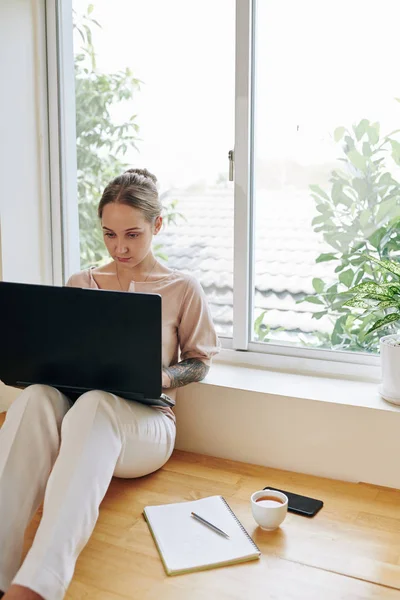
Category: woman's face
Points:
column 127, row 234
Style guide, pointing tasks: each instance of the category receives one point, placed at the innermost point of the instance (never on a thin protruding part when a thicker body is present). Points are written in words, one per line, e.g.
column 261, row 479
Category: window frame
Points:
column 65, row 219
column 62, row 140
column 283, row 355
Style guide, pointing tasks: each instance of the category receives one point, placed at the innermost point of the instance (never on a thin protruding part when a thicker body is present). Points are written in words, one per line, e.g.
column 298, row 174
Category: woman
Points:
column 83, row 444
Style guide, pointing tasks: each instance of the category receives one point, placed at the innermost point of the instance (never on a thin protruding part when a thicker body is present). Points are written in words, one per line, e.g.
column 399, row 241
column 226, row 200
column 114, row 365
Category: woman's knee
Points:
column 43, row 398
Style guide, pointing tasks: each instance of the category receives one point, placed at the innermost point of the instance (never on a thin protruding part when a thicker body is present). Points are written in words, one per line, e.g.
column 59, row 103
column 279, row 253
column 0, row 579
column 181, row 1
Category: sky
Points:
column 319, row 64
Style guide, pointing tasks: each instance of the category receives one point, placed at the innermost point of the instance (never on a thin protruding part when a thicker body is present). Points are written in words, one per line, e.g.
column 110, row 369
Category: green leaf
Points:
column 318, row 220
column 336, row 338
column 358, row 160
column 359, row 277
column 389, row 304
column 366, row 149
column 378, row 297
column 373, row 133
column 357, row 302
column 325, row 257
column 361, row 186
column 385, row 208
column 391, row 286
column 395, row 151
column 392, row 318
column 338, row 196
column 357, row 246
column 90, row 9
column 357, row 261
column 332, row 289
column 349, row 143
column 318, row 285
column 319, row 191
column 312, row 300
column 339, row 133
column 331, row 238
column 376, row 237
column 346, row 277
column 387, row 179
column 259, row 320
column 319, row 314
column 389, row 265
column 367, row 287
column 361, row 129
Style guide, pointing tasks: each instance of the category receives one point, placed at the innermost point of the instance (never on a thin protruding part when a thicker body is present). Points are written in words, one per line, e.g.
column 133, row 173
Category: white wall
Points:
column 24, row 191
column 24, row 174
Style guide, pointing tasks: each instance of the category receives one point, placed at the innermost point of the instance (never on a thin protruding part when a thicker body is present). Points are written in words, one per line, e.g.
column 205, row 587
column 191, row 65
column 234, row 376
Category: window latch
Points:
column 231, row 158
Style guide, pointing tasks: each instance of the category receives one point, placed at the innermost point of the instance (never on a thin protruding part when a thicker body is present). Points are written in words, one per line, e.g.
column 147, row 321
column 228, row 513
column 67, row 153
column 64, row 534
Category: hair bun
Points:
column 143, row 173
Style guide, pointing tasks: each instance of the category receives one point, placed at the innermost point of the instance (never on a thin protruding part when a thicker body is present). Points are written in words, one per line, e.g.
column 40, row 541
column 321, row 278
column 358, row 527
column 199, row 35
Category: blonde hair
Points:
column 136, row 188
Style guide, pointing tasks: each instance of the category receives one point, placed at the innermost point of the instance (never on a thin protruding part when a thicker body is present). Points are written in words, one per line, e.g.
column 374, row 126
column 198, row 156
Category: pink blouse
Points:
column 187, row 327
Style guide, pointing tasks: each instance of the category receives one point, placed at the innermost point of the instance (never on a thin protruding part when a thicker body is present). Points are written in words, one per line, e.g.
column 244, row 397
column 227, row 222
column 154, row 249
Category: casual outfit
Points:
column 67, row 452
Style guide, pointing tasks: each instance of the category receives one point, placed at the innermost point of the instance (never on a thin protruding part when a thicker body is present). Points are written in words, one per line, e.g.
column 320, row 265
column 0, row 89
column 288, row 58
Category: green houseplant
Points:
column 380, row 300
column 358, row 214
column 377, row 296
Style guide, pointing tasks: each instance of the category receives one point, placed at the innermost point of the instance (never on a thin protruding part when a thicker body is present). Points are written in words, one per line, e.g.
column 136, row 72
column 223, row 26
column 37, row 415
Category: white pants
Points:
column 67, row 455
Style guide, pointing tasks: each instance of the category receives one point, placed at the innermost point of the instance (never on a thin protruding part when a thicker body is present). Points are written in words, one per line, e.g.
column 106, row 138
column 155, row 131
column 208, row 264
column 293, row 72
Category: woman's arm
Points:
column 187, row 371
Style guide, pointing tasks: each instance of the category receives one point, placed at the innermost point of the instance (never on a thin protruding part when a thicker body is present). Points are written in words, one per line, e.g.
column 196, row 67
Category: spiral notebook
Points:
column 187, row 545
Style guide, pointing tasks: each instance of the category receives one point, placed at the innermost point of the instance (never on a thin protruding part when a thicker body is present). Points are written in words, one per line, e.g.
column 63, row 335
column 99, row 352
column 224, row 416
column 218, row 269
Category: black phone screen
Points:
column 301, row 505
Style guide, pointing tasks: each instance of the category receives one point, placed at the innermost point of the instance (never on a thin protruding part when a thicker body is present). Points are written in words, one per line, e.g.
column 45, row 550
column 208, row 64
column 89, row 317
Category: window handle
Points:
column 231, row 157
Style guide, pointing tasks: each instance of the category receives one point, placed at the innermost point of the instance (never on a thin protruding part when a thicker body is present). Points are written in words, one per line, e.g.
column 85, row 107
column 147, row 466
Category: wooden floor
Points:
column 350, row 550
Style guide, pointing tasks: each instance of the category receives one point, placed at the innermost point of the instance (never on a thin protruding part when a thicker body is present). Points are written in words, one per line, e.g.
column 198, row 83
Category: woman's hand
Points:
column 166, row 381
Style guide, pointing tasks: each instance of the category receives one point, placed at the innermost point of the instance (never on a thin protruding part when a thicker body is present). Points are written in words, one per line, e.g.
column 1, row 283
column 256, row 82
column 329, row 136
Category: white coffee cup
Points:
column 269, row 508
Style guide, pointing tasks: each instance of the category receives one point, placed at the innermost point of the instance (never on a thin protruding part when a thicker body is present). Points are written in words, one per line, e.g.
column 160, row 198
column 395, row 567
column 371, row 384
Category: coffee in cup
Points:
column 269, row 508
column 270, row 501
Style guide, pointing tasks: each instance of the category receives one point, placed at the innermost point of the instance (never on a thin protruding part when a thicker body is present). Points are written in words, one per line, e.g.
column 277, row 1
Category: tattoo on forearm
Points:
column 187, row 371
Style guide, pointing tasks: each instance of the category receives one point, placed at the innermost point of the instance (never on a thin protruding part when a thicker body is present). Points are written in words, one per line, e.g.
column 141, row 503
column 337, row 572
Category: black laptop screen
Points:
column 80, row 339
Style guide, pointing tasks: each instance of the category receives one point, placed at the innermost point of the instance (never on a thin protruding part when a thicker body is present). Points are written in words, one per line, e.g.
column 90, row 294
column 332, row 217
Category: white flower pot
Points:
column 390, row 365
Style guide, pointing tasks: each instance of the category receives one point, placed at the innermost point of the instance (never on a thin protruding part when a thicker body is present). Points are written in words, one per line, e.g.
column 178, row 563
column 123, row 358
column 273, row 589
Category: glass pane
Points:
column 155, row 89
column 327, row 181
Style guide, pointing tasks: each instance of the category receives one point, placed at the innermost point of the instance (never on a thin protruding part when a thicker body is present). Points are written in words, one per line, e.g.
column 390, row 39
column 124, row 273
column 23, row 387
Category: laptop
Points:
column 78, row 340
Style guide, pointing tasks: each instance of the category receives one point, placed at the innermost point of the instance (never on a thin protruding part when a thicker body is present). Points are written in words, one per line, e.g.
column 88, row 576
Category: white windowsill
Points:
column 344, row 365
column 325, row 426
column 319, row 388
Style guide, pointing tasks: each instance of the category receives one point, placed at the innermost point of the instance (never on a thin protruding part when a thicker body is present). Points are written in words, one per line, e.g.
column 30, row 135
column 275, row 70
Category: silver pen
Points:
column 210, row 525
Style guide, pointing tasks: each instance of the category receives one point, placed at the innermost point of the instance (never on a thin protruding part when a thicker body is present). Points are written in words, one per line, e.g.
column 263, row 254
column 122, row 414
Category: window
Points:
column 155, row 89
column 304, row 94
column 325, row 99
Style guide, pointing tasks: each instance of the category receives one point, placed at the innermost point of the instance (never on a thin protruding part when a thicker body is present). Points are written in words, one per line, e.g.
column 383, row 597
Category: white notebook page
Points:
column 185, row 543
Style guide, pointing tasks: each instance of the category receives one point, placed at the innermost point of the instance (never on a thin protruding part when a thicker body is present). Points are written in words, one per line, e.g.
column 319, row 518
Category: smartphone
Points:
column 301, row 505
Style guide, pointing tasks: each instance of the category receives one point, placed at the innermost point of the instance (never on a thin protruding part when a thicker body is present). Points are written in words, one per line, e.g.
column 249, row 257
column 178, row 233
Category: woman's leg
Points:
column 29, row 443
column 101, row 434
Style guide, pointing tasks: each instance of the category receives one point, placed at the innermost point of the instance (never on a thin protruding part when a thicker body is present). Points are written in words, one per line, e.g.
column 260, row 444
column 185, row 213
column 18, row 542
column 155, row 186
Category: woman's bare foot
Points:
column 19, row 592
